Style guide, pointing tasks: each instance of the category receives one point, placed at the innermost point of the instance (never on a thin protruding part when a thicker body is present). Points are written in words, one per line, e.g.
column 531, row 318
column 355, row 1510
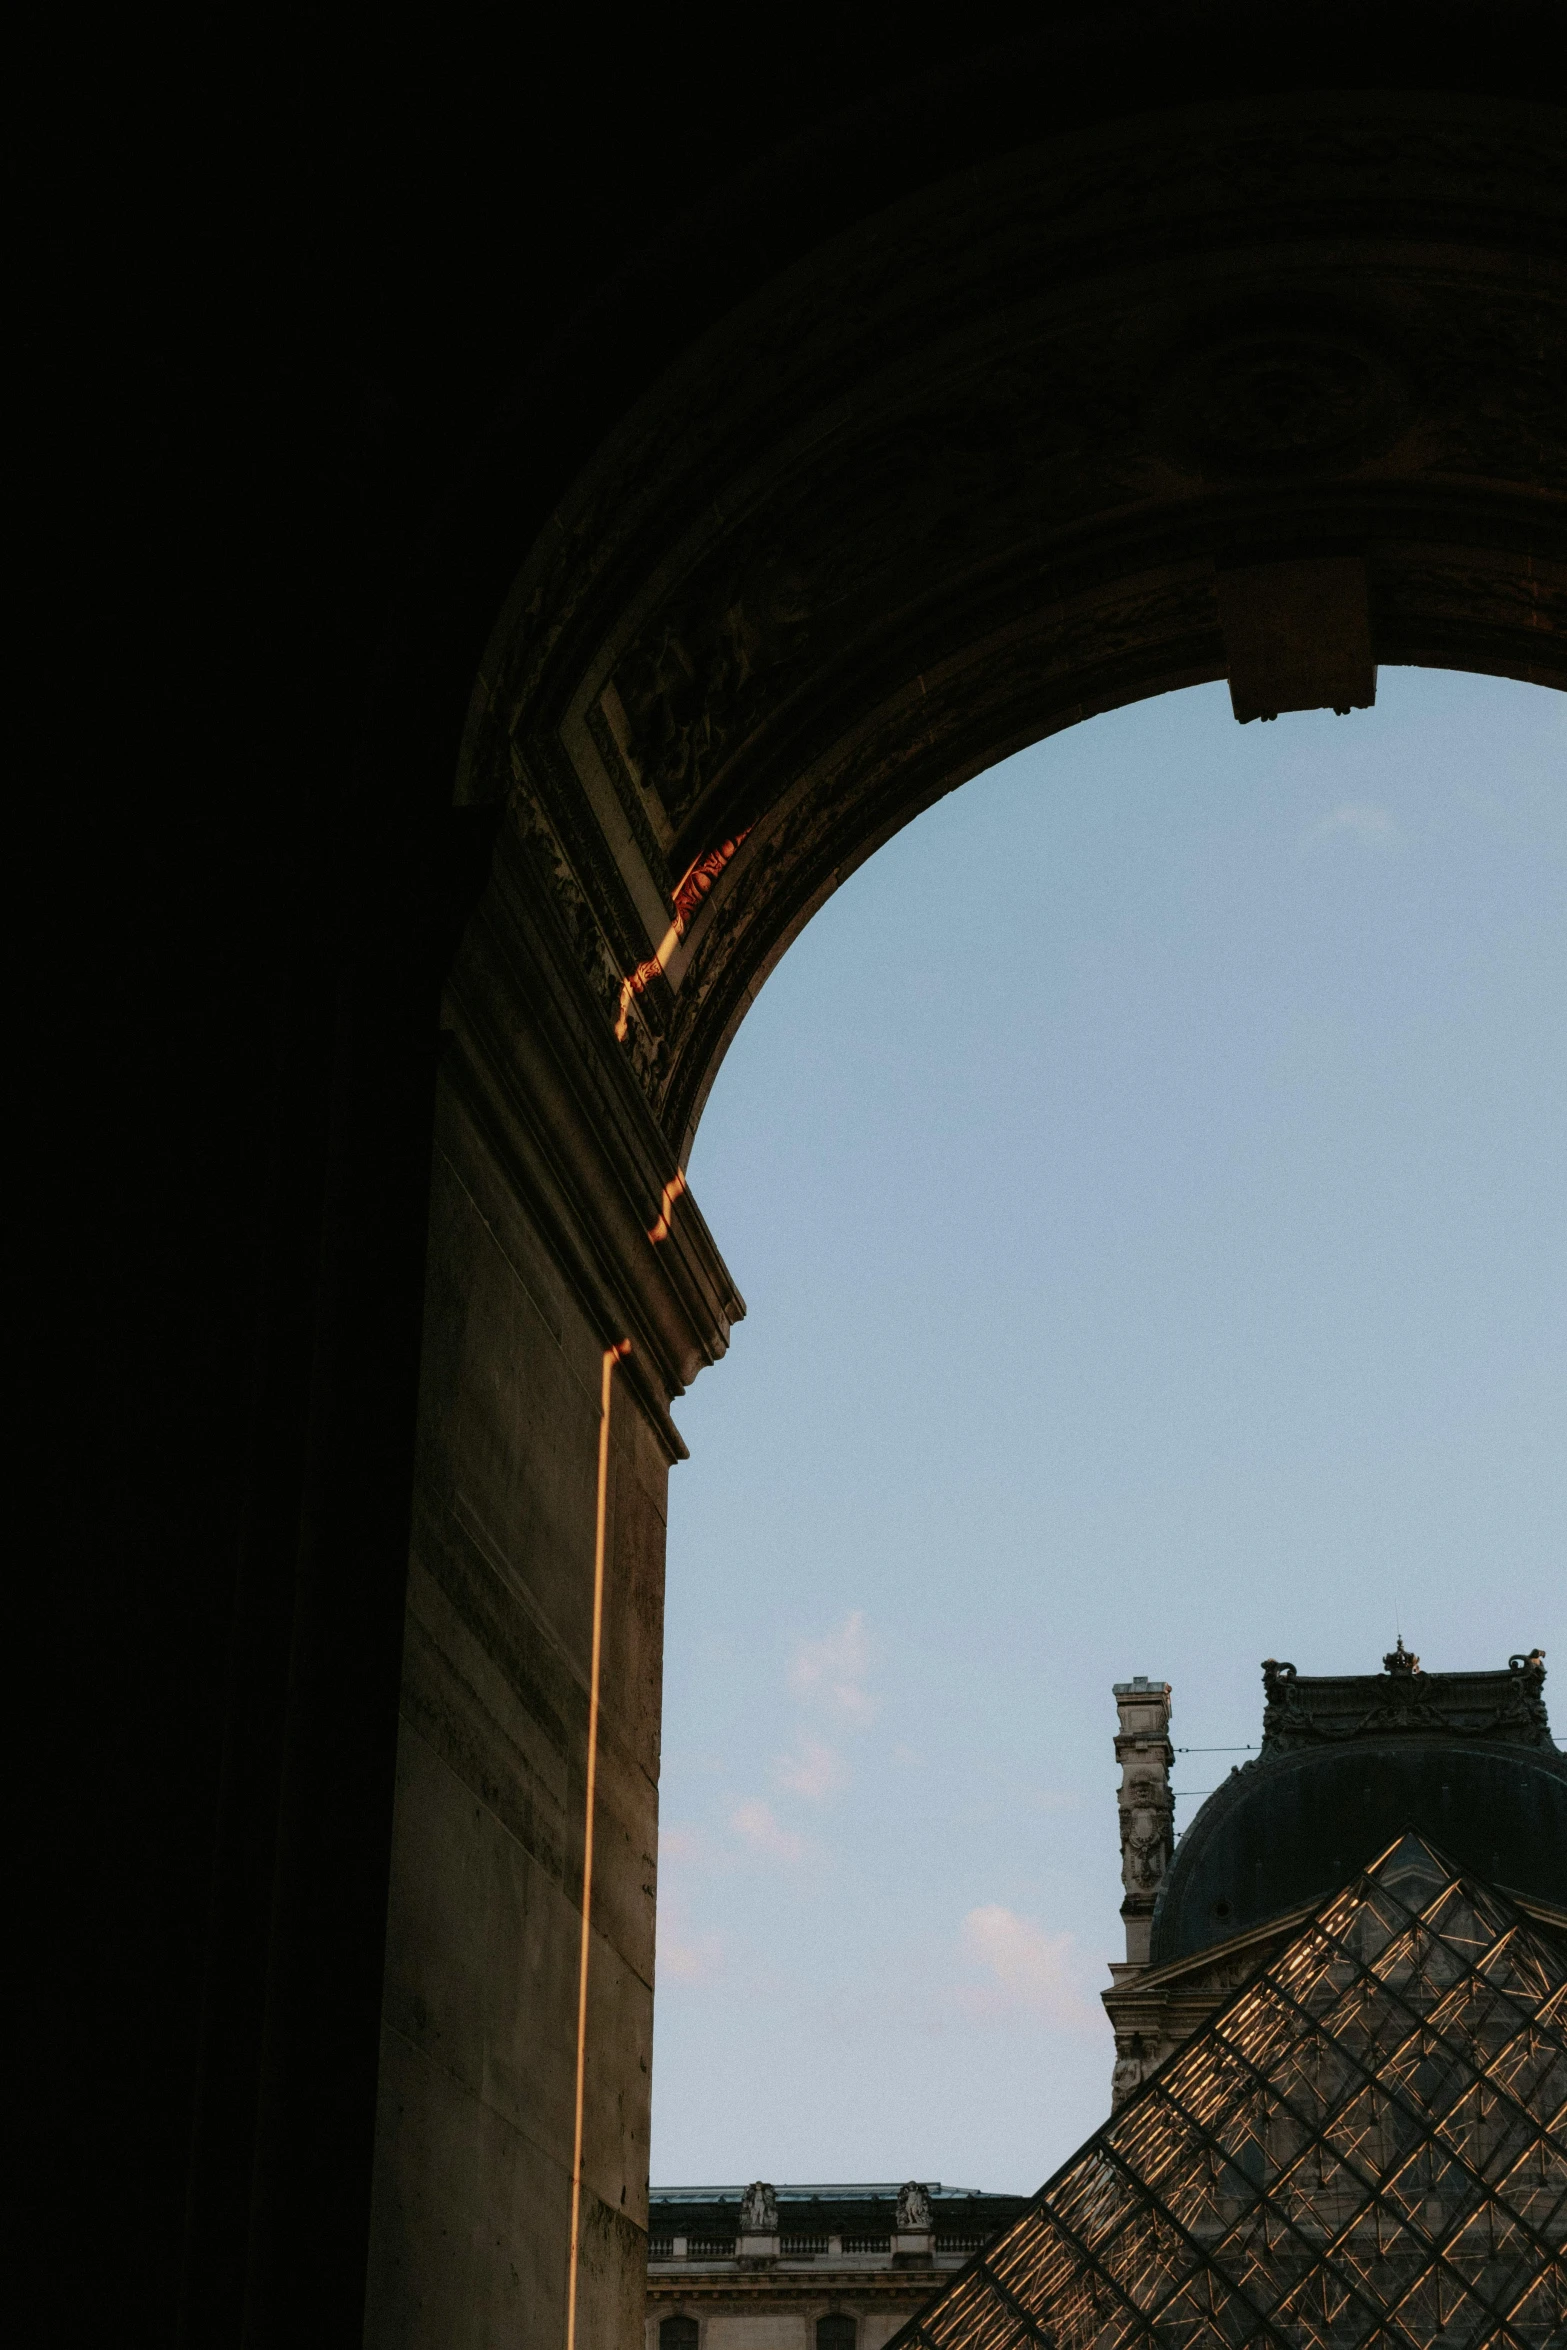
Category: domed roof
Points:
column 1348, row 1763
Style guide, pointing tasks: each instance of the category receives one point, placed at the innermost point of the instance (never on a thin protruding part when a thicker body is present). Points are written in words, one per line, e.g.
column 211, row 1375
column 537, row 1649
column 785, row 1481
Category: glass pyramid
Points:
column 1365, row 2149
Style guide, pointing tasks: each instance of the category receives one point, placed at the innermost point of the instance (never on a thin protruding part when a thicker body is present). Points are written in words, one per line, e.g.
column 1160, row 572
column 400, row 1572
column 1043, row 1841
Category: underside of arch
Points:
column 978, row 470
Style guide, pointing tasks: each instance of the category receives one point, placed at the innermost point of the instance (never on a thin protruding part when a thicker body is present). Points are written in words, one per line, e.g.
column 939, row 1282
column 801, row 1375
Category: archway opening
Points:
column 1142, row 1175
column 1018, row 451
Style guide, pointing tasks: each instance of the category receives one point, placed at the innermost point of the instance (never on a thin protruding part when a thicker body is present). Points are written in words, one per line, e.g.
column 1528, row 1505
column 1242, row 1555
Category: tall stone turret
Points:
column 1146, row 1757
column 1147, row 1809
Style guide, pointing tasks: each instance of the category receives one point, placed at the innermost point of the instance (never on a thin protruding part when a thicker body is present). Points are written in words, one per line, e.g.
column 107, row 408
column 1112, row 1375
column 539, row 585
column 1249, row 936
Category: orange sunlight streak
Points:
column 612, row 1355
column 690, row 890
column 666, row 1207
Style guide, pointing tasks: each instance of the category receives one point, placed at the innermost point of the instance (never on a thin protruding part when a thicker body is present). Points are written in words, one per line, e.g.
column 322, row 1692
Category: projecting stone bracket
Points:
column 1297, row 636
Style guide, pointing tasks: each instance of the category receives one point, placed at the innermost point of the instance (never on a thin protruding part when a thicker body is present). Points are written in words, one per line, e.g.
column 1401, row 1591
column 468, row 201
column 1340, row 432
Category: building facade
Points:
column 1346, row 1763
column 1341, row 2074
column 1339, row 2100
column 806, row 2268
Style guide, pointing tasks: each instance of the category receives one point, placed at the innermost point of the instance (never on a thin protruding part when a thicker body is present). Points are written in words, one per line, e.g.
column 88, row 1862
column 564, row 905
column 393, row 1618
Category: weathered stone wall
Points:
column 476, row 2120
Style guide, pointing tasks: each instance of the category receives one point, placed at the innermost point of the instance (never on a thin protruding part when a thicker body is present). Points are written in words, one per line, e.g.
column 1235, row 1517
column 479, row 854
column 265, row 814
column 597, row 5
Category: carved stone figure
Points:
column 759, row 2210
column 1126, row 2076
column 914, row 2216
column 1528, row 1708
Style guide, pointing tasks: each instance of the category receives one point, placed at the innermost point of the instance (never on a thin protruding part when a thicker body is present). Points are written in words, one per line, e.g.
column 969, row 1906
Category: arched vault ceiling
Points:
column 971, row 473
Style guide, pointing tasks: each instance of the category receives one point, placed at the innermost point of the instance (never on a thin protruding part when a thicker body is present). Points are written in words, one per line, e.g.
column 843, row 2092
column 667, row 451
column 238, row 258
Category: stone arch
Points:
column 979, row 470
column 976, row 468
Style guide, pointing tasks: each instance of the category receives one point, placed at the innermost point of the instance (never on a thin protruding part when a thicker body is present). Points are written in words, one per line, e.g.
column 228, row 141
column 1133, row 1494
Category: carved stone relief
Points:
column 759, row 2209
column 914, row 2209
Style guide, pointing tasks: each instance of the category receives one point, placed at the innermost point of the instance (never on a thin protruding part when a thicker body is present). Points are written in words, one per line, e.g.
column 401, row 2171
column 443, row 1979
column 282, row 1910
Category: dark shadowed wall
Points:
column 316, row 343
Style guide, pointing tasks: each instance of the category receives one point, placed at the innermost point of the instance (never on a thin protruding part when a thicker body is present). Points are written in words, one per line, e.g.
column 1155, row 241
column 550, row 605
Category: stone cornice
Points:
column 529, row 1054
column 1306, row 1710
column 1180, row 1972
column 892, row 2284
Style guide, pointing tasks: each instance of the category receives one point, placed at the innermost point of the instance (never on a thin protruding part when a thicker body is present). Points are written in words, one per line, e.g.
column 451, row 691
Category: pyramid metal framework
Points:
column 1365, row 2149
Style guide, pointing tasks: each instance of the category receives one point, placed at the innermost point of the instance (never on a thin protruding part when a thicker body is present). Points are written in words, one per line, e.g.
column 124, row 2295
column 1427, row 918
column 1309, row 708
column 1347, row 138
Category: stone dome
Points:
column 1350, row 1762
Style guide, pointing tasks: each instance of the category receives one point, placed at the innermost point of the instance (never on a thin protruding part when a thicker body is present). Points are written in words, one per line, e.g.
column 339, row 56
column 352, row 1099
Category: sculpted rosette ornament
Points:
column 1273, row 399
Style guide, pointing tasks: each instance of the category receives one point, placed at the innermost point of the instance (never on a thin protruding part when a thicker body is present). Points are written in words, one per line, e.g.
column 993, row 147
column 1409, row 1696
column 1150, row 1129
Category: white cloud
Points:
column 814, row 1770
column 677, row 1844
column 683, row 1957
column 1372, row 828
column 830, row 1672
column 1032, row 1972
column 754, row 1820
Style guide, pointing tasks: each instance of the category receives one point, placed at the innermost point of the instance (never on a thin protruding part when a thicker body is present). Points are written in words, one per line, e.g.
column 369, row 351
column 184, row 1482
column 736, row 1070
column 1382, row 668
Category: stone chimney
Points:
column 1143, row 1750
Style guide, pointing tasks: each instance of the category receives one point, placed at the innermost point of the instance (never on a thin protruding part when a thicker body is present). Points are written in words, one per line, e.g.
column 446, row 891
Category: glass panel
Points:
column 1540, row 2319
column 1205, row 2312
column 1313, row 1971
column 1375, row 2132
column 1153, row 2137
column 1436, row 2192
column 1479, row 2018
column 1439, row 2310
column 1148, row 2259
column 1368, row 2023
column 1036, row 2262
column 1487, row 2130
column 1093, row 2199
column 1536, row 2189
column 1266, row 2258
column 1205, row 2080
column 1321, row 2195
column 1327, row 2312
column 972, row 2314
column 1525, row 1967
column 1087, row 2315
column 1368, row 1924
column 1554, row 2011
column 1420, row 1966
column 1412, row 1871
column 1259, row 2021
column 1431, row 2073
column 1494, row 2255
column 1385, row 2259
column 1322, row 2167
column 1208, row 2196
column 1313, row 2078
column 1533, row 2070
column 1464, row 1916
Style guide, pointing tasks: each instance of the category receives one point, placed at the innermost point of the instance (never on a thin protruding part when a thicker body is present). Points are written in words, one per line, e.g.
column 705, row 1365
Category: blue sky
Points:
column 1145, row 1177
